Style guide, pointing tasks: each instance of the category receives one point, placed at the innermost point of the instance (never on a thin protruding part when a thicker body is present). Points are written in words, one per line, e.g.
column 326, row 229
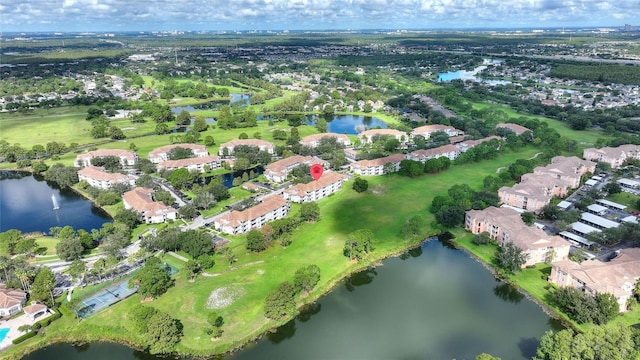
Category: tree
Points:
column 510, row 257
column 69, row 249
column 163, row 333
column 128, row 217
column 608, row 308
column 196, row 243
column 256, row 241
column 450, row 216
column 360, row 184
column 612, row 187
column 482, row 238
column 485, row 356
column 64, row 176
column 77, row 269
column 596, row 343
column 188, row 212
column 152, row 280
column 42, row 288
column 309, row 211
column 193, row 269
column 214, row 322
column 281, row 302
column 306, row 278
column 528, row 217
column 411, row 168
column 358, row 244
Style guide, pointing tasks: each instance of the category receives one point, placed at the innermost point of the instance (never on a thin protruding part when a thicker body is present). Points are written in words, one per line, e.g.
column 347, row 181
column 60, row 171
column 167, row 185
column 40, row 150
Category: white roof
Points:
column 612, row 204
column 597, row 178
column 513, row 208
column 591, row 182
column 575, row 237
column 630, row 219
column 629, row 182
column 583, row 228
column 564, row 204
column 598, row 220
column 597, row 208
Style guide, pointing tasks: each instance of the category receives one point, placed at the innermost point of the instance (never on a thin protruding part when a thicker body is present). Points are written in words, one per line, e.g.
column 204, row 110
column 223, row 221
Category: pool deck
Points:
column 13, row 326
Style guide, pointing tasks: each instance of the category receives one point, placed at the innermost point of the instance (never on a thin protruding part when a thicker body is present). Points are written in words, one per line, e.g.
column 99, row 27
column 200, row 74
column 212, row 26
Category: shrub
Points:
column 24, row 337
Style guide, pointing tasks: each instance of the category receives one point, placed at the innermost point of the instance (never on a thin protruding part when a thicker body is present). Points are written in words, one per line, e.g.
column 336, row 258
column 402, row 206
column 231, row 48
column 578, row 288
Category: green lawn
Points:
column 625, row 198
column 584, row 138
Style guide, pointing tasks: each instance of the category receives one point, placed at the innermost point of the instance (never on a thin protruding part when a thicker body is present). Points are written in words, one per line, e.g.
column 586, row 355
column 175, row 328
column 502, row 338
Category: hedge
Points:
column 24, row 337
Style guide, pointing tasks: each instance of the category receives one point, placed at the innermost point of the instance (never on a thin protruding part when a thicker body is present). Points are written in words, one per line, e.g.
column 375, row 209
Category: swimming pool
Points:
column 3, row 333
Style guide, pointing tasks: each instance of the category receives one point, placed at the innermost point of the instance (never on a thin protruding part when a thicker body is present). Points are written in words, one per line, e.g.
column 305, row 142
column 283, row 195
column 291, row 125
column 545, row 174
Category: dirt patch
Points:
column 379, row 190
column 222, row 297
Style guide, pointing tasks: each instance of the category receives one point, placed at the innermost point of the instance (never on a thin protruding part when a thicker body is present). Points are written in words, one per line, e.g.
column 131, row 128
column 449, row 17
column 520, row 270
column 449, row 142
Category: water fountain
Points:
column 55, row 202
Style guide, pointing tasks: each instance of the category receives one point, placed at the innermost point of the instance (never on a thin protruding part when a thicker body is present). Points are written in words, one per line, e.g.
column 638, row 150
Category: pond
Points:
column 27, row 202
column 349, row 124
column 434, row 302
column 239, row 99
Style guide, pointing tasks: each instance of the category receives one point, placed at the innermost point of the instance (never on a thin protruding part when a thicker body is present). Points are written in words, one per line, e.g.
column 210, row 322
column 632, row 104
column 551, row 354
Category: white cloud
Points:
column 299, row 14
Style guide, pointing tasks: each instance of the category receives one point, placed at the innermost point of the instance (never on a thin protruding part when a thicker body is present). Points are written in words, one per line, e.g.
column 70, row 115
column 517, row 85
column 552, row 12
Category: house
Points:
column 200, row 164
column 314, row 140
column 534, row 192
column 565, row 168
column 153, row 212
column 351, row 154
column 11, row 300
column 34, row 311
column 505, row 225
column 262, row 145
column 614, row 156
column 161, row 154
column 369, row 135
column 448, row 151
column 618, row 276
column 279, row 170
column 427, row 130
column 238, row 222
column 98, row 178
column 329, row 183
column 379, row 166
column 128, row 158
column 517, row 129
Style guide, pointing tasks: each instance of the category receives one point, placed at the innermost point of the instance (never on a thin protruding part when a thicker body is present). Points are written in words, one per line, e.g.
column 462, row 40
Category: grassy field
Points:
column 321, row 243
column 584, row 138
column 625, row 198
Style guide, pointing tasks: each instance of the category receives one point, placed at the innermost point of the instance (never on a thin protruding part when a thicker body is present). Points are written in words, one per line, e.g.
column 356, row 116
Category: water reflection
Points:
column 283, row 333
column 361, row 278
column 508, row 293
column 308, row 311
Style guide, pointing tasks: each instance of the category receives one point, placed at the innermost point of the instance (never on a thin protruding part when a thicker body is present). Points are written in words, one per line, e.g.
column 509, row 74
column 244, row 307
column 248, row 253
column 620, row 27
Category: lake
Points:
column 26, row 205
column 349, row 124
column 434, row 302
column 240, row 99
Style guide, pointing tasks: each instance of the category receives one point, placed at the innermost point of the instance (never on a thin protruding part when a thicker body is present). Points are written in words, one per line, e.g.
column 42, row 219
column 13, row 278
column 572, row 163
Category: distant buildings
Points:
column 534, row 192
column 377, row 166
column 614, row 156
column 314, row 140
column 98, row 178
column 427, row 130
column 370, row 135
column 127, row 158
column 517, row 129
column 505, row 225
column 279, row 170
column 448, row 151
column 152, row 212
column 239, row 222
column 199, row 164
column 565, row 168
column 329, row 183
column 161, row 154
column 617, row 277
column 228, row 147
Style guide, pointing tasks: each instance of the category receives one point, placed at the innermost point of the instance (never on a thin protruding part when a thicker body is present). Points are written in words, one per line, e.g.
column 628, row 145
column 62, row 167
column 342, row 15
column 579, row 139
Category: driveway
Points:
column 13, row 326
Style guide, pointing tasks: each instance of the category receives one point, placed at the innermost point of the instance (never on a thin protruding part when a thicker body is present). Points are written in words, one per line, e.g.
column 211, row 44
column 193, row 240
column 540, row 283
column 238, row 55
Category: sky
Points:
column 161, row 15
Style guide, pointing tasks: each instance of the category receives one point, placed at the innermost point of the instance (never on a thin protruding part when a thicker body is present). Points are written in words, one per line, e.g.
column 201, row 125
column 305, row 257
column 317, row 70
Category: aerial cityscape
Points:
column 320, row 180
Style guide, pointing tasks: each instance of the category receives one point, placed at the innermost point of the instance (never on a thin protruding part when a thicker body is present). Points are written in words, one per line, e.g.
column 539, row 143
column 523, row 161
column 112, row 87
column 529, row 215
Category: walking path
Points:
column 504, row 167
column 178, row 256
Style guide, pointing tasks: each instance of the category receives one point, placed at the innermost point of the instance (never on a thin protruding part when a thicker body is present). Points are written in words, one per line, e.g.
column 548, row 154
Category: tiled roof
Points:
column 97, row 173
column 363, row 164
column 282, row 165
column 315, row 138
column 374, row 132
column 140, row 200
column 328, row 178
column 127, row 154
column 517, row 129
column 268, row 204
column 34, row 309
column 248, row 142
column 430, row 153
column 11, row 297
column 165, row 149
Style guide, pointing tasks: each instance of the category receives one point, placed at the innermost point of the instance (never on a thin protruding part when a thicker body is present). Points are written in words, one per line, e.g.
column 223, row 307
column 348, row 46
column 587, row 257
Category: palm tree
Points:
column 5, row 263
